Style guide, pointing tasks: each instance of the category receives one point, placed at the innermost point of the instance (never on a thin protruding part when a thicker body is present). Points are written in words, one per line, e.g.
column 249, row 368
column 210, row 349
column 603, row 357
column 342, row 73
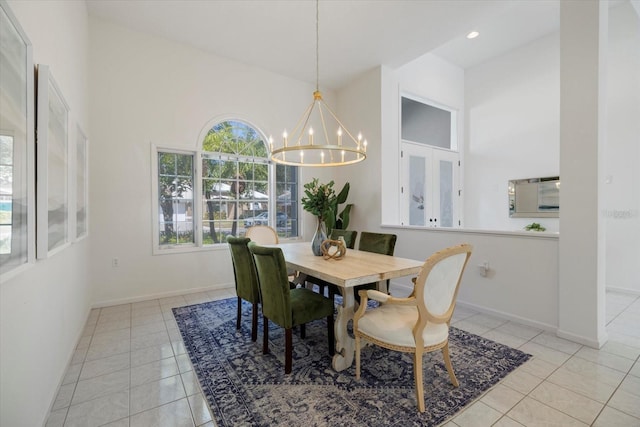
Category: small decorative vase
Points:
column 319, row 237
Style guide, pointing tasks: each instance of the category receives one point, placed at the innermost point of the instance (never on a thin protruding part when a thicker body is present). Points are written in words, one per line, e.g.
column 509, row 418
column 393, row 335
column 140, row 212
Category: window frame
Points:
column 198, row 211
column 9, row 268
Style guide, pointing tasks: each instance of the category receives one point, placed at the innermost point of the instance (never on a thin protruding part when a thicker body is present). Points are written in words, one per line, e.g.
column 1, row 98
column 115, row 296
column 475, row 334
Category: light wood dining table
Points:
column 355, row 268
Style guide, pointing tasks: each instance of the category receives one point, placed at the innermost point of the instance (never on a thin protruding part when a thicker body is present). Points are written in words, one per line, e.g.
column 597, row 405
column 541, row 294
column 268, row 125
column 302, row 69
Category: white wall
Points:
column 428, row 77
column 516, row 287
column 511, row 105
column 622, row 155
column 43, row 309
column 146, row 90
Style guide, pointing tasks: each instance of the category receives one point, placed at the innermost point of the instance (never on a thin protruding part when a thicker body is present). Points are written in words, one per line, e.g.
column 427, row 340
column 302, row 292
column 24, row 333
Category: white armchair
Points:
column 419, row 323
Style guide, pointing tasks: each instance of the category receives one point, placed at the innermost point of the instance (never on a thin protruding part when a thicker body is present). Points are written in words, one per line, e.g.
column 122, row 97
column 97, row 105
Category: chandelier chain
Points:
column 317, row 45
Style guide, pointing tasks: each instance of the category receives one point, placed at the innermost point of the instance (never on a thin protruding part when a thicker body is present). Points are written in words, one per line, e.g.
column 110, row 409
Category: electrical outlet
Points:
column 115, row 262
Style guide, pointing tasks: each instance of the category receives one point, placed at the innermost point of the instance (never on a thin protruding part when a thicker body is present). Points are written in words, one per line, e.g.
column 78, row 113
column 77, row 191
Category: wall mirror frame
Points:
column 52, row 181
column 534, row 197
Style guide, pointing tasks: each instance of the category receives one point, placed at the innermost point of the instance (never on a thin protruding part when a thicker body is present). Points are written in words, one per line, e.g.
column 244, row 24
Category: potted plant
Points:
column 322, row 201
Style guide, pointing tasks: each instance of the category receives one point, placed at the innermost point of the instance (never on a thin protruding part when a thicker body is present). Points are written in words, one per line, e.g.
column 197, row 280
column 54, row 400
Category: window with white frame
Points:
column 223, row 189
column 16, row 145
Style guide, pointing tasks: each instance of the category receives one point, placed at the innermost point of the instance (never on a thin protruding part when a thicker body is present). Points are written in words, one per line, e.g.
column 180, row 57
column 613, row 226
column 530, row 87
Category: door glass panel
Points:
column 446, row 194
column 416, row 188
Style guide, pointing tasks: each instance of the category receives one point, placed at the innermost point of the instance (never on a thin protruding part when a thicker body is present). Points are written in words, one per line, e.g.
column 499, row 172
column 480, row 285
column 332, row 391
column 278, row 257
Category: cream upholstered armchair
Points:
column 420, row 322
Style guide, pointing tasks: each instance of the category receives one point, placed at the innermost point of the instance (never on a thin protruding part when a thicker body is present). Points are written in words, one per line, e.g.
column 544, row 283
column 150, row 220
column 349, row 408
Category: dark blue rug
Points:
column 245, row 387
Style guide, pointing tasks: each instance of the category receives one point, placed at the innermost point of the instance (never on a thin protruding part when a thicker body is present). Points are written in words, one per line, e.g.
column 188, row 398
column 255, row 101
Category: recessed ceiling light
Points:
column 473, row 35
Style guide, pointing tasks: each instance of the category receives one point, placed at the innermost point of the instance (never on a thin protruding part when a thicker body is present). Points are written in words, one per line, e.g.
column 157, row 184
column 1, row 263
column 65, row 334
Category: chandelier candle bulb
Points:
column 284, row 137
column 342, row 156
column 322, row 156
column 311, row 137
column 270, row 143
column 340, row 140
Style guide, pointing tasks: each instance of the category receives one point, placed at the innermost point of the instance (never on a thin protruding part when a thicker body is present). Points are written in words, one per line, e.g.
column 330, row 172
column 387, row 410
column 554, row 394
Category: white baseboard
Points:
column 169, row 294
column 583, row 340
column 627, row 291
column 511, row 317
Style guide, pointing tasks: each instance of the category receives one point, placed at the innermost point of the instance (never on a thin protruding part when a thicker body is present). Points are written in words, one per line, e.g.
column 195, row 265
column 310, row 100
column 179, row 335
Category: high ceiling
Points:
column 354, row 35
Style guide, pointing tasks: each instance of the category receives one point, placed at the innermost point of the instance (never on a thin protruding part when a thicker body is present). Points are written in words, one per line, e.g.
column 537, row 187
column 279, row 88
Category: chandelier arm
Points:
column 340, row 123
column 303, row 120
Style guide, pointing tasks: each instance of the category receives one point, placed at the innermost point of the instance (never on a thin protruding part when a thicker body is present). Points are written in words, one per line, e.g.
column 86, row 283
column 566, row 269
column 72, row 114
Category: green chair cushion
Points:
column 307, row 306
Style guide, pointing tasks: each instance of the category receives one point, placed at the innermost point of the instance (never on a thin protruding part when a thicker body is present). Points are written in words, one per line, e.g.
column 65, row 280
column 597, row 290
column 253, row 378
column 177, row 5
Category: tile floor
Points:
column 130, row 369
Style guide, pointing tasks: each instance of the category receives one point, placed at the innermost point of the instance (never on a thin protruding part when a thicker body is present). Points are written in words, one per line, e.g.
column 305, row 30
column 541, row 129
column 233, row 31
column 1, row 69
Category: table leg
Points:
column 345, row 345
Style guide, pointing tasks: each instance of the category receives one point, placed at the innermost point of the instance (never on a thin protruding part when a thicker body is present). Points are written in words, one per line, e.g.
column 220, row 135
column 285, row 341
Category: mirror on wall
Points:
column 534, row 197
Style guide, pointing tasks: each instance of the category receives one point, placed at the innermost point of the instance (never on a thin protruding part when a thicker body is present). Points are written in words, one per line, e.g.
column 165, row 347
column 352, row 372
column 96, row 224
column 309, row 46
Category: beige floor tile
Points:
column 191, row 384
column 610, row 417
column 518, row 330
column 506, row 339
column 153, row 371
column 151, row 354
column 157, row 393
column 635, row 370
column 56, row 418
column 594, row 370
column 148, row 328
column 550, row 340
column 521, row 381
column 487, row 320
column 545, row 353
column 100, row 386
column 477, row 415
column 538, row 367
column 502, row 398
column 532, row 413
column 106, row 365
column 471, row 327
column 603, row 358
column 146, row 311
column 578, row 406
column 199, row 409
column 586, row 386
column 507, row 422
column 99, row 411
column 625, row 402
column 150, row 340
column 173, row 414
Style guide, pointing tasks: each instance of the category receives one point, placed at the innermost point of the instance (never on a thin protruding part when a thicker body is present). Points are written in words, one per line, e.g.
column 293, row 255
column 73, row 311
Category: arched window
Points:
column 239, row 188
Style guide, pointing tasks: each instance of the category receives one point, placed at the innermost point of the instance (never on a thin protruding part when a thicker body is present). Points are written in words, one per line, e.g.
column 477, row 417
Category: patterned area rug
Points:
column 245, row 387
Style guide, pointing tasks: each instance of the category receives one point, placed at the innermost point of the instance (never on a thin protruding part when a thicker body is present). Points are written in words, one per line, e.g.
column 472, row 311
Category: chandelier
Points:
column 313, row 141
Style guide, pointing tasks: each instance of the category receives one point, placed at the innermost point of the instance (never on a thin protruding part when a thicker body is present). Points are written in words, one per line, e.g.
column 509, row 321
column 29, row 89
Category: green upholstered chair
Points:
column 349, row 237
column 246, row 280
column 285, row 306
column 380, row 243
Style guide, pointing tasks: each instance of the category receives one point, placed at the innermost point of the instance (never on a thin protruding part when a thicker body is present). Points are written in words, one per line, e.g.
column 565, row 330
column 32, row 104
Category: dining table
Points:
column 354, row 268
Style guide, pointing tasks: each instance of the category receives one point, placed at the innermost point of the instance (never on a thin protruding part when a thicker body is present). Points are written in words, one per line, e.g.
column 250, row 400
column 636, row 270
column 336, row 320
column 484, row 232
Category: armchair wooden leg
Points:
column 357, row 357
column 331, row 333
column 254, row 322
column 417, row 372
column 239, row 313
column 265, row 335
column 447, row 363
column 288, row 350
column 303, row 331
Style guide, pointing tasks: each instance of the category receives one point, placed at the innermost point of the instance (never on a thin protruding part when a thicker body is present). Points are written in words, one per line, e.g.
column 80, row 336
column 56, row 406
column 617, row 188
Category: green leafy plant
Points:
column 534, row 226
column 322, row 201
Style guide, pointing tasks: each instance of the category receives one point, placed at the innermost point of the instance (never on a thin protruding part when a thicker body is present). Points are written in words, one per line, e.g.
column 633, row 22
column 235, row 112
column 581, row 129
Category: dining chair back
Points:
column 262, row 235
column 284, row 306
column 349, row 237
column 419, row 323
column 380, row 243
column 246, row 280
